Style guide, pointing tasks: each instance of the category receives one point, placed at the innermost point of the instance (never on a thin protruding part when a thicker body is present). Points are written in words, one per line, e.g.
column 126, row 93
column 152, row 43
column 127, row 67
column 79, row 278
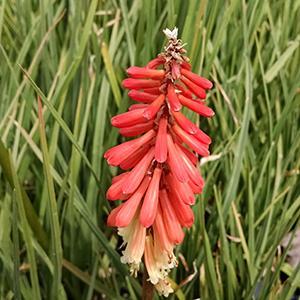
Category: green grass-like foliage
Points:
column 54, row 243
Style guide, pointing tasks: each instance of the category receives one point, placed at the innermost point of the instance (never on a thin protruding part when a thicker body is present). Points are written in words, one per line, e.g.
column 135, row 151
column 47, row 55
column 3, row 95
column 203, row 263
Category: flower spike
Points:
column 162, row 174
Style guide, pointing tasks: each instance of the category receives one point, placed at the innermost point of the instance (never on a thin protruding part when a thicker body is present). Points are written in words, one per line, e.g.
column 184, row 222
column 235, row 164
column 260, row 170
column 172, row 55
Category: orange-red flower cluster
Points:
column 162, row 176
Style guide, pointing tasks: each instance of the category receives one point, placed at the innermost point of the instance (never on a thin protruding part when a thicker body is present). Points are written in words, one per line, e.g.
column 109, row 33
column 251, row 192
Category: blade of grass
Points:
column 30, row 212
column 61, row 122
column 111, row 74
column 56, row 248
column 16, row 245
column 130, row 41
column 86, row 279
column 234, row 179
column 27, row 235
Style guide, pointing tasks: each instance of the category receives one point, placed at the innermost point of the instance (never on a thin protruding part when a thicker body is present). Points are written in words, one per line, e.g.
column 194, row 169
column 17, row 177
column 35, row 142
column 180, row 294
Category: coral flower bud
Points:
column 197, row 189
column 138, row 84
column 183, row 211
column 182, row 190
column 138, row 106
column 118, row 154
column 175, row 161
column 151, row 111
column 128, row 209
column 118, row 177
column 161, row 149
column 149, row 208
column 141, row 96
column 192, row 157
column 183, row 91
column 153, row 91
column 201, row 81
column 173, row 99
column 174, row 230
column 185, row 123
column 160, row 233
column 115, row 190
column 195, row 89
column 191, row 170
column 129, row 118
column 135, row 158
column 137, row 174
column 136, row 129
column 192, row 142
column 202, row 137
column 111, row 220
column 196, row 106
column 137, row 72
column 186, row 65
column 154, row 63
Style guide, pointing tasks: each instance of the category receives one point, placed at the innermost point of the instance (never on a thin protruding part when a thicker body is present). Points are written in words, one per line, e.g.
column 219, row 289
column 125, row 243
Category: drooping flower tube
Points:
column 161, row 161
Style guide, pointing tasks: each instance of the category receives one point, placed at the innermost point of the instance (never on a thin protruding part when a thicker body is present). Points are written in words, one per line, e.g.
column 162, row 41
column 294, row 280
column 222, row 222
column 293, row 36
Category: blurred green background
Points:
column 54, row 243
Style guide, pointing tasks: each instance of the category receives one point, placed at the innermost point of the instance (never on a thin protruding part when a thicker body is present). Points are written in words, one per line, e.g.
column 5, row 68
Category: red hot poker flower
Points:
column 162, row 174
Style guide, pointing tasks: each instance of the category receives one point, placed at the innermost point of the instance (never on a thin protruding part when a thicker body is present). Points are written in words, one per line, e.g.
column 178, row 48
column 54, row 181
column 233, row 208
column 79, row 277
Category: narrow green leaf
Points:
column 56, row 248
column 111, row 74
column 27, row 234
column 30, row 212
column 282, row 60
column 131, row 44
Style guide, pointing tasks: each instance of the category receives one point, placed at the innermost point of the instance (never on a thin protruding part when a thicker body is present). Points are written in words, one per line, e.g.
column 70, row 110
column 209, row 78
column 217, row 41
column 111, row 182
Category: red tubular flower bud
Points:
column 136, row 129
column 161, row 149
column 118, row 154
column 111, row 220
column 153, row 91
column 172, row 224
column 191, row 170
column 160, row 232
column 118, row 177
column 195, row 144
column 139, row 84
column 173, row 99
column 115, row 190
column 151, row 111
column 195, row 89
column 163, row 173
column 185, row 123
column 137, row 106
column 141, row 96
column 183, row 91
column 128, row 208
column 137, row 174
column 149, row 208
column 183, row 211
column 175, row 161
column 154, row 63
column 192, row 157
column 137, row 72
column 186, row 65
column 201, row 81
column 202, row 137
column 197, row 189
column 129, row 118
column 196, row 106
column 182, row 190
column 134, row 159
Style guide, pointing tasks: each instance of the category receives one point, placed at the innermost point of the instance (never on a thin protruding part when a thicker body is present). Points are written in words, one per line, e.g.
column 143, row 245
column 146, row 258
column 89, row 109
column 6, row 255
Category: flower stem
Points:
column 148, row 287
